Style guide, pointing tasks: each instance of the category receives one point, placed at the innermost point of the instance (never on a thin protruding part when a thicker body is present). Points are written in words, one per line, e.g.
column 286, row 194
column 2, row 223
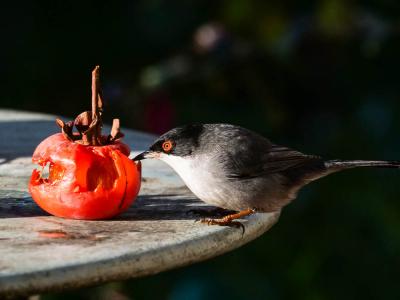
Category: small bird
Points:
column 237, row 169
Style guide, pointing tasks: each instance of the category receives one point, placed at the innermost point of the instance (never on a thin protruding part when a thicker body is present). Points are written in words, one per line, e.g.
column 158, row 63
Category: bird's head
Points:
column 178, row 142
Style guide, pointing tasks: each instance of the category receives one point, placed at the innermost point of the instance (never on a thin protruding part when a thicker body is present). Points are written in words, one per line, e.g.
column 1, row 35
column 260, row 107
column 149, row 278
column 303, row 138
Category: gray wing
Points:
column 247, row 154
column 276, row 159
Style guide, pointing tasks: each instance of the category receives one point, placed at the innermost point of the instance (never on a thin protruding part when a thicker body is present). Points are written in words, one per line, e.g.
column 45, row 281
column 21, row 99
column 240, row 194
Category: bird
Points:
column 239, row 170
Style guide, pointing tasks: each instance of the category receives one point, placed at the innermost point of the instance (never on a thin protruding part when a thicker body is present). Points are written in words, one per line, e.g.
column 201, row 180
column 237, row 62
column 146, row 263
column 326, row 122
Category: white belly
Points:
column 201, row 182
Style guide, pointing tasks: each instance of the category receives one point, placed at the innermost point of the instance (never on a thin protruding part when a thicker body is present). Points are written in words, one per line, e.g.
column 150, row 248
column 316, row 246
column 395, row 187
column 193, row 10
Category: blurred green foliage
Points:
column 319, row 76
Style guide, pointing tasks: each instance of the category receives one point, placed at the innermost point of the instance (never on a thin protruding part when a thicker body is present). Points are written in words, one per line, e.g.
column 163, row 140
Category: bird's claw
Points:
column 223, row 222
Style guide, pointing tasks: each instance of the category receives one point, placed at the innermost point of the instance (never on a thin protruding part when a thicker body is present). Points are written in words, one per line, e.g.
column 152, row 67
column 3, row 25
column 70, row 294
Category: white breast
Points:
column 197, row 177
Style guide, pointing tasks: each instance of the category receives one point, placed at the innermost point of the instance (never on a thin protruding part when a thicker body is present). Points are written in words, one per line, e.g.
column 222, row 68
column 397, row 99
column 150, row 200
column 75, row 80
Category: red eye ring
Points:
column 167, row 146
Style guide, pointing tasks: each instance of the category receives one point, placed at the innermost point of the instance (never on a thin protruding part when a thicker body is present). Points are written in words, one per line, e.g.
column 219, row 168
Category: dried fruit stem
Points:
column 97, row 101
column 97, row 106
column 89, row 123
column 115, row 131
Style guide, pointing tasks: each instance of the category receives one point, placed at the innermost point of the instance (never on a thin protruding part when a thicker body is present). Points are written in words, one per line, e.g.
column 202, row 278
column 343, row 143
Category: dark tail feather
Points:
column 320, row 169
column 338, row 165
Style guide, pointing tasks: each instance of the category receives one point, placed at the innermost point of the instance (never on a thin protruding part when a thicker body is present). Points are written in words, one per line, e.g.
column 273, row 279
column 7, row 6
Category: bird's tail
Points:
column 318, row 168
column 339, row 165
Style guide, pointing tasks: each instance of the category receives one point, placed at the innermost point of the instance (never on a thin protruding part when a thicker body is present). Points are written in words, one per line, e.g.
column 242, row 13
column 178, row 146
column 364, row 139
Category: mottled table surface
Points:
column 40, row 253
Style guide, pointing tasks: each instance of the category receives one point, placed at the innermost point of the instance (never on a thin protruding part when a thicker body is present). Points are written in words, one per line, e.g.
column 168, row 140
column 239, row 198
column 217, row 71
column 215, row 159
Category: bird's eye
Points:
column 167, row 146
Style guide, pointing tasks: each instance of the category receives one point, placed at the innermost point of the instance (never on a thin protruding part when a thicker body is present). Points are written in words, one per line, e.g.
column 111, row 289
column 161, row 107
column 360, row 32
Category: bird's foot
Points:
column 229, row 220
column 222, row 222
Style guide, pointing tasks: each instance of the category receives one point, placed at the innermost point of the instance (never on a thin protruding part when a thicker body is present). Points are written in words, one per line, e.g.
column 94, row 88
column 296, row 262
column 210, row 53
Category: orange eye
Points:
column 167, row 146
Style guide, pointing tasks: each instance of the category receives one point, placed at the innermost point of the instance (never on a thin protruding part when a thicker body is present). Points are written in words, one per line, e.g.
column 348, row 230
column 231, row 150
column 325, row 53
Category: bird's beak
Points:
column 144, row 155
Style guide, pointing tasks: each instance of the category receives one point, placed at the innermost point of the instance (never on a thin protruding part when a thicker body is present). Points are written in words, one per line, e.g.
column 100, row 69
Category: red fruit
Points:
column 90, row 175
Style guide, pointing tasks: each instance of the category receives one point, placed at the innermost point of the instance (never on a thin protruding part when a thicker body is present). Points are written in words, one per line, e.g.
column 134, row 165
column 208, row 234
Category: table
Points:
column 40, row 253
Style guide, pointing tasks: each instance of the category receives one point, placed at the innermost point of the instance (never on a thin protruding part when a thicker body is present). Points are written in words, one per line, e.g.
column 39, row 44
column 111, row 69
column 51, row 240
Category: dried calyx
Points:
column 89, row 123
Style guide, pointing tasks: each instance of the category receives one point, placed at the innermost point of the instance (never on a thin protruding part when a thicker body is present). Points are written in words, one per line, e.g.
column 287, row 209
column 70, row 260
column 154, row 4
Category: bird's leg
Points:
column 229, row 219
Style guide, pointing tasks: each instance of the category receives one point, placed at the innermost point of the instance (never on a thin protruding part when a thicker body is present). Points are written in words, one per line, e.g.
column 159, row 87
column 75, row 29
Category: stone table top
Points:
column 39, row 252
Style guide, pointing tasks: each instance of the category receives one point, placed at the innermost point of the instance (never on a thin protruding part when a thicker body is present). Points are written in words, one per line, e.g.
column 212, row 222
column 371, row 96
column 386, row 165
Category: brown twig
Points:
column 92, row 135
column 95, row 92
column 96, row 107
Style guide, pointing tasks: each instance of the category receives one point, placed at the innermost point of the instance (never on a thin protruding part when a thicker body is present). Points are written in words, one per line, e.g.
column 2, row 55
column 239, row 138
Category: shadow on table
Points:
column 14, row 204
column 168, row 207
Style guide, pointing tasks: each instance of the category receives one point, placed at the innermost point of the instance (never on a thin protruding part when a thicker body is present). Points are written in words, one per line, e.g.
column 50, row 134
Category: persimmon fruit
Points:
column 90, row 175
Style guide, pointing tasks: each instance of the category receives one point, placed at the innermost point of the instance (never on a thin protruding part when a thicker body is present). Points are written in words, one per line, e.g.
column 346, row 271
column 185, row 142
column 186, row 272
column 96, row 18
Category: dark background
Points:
column 319, row 76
